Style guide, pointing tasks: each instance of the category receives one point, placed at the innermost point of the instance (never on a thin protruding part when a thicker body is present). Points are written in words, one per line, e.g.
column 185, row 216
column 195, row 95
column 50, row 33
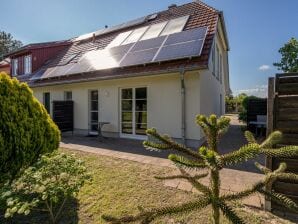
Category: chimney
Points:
column 93, row 37
column 172, row 6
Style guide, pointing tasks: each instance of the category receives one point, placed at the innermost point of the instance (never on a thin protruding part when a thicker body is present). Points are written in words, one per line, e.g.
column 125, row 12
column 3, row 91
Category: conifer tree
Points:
column 208, row 158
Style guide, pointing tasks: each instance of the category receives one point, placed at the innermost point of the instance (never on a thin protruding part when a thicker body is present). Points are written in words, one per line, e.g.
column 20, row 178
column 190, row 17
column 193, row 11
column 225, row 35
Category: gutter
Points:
column 142, row 74
column 183, row 108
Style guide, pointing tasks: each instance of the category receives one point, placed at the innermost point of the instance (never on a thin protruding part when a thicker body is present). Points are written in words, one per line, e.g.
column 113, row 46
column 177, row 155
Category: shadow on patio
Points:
column 231, row 141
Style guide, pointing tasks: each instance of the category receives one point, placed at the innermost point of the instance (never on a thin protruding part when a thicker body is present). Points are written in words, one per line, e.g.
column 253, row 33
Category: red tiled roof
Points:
column 200, row 14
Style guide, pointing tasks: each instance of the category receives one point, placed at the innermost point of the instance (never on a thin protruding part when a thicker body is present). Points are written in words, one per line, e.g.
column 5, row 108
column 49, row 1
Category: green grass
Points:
column 120, row 186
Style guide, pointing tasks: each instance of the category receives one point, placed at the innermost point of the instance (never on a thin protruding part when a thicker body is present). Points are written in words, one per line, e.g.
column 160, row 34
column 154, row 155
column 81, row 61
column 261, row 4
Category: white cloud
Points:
column 259, row 91
column 264, row 67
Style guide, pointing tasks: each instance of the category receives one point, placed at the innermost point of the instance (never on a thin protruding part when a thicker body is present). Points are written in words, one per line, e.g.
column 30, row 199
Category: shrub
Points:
column 53, row 180
column 208, row 158
column 26, row 129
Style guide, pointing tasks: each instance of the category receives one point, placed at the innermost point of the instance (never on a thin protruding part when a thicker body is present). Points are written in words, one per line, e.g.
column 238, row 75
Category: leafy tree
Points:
column 289, row 57
column 50, row 182
column 26, row 129
column 208, row 158
column 244, row 106
column 8, row 44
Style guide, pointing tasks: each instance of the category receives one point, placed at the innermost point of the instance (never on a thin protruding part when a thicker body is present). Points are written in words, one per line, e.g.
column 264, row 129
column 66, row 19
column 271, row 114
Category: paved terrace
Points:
column 233, row 179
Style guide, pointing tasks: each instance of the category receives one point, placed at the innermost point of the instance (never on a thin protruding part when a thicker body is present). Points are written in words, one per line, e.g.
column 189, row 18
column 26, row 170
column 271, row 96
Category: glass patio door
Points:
column 93, row 112
column 134, row 112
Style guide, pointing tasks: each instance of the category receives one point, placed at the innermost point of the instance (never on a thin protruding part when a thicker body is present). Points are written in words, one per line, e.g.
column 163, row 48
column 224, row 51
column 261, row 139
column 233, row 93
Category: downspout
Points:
column 183, row 126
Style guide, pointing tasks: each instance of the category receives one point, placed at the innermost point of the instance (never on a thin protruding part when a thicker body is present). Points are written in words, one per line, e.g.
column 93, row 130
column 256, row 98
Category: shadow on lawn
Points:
column 69, row 215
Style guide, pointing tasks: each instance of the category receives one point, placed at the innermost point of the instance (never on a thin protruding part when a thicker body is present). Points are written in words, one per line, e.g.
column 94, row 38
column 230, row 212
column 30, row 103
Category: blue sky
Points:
column 256, row 28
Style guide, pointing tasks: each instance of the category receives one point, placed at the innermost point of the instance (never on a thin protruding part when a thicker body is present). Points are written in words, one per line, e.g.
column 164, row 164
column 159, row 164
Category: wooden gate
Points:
column 283, row 116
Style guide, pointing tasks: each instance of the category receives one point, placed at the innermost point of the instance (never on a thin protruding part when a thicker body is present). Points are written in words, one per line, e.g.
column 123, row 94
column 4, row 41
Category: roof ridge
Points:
column 206, row 5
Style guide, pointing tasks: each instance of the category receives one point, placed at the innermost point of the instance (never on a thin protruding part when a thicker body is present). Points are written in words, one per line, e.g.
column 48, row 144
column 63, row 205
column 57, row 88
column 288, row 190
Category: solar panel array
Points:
column 185, row 44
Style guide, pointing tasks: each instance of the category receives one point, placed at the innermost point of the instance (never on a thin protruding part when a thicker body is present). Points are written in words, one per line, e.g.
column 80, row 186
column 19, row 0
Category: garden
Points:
column 43, row 184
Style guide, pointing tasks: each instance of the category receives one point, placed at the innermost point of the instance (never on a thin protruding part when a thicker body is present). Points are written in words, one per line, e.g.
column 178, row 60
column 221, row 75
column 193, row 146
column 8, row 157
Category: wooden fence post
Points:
column 270, row 126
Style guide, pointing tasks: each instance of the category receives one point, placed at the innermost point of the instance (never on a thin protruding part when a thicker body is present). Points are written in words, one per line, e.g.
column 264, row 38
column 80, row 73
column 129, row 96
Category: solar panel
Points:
column 175, row 25
column 135, row 35
column 181, row 50
column 189, row 35
column 147, row 44
column 154, row 31
column 139, row 57
column 119, row 39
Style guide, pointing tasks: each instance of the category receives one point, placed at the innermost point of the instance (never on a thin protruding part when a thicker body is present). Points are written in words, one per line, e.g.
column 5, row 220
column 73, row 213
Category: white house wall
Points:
column 163, row 99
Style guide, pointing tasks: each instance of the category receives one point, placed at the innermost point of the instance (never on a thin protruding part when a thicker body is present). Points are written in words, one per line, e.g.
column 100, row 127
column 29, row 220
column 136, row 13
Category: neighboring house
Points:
column 5, row 65
column 159, row 71
column 28, row 59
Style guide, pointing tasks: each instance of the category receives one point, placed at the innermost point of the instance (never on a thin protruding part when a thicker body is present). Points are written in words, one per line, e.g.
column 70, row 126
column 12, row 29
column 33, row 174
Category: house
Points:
column 5, row 65
column 159, row 71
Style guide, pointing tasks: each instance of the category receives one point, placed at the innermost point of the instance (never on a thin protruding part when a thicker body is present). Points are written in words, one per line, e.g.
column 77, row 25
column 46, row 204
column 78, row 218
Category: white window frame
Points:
column 14, row 69
column 91, row 132
column 27, row 64
column 217, row 62
column 133, row 135
column 44, row 103
column 220, row 68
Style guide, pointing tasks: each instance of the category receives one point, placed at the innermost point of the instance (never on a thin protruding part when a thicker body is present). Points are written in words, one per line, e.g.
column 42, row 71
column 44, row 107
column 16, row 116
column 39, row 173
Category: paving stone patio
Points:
column 233, row 180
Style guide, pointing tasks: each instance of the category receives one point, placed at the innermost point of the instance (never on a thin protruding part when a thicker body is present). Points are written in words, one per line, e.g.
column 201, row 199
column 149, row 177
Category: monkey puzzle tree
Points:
column 208, row 158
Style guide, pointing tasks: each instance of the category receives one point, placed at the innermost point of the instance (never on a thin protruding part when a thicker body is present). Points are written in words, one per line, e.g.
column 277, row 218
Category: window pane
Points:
column 141, row 117
column 126, row 116
column 141, row 129
column 126, row 93
column 68, row 95
column 94, row 117
column 126, row 128
column 127, row 105
column 94, row 95
column 141, row 93
column 141, row 105
column 135, row 35
column 94, row 127
column 175, row 25
column 154, row 31
column 94, row 105
column 47, row 101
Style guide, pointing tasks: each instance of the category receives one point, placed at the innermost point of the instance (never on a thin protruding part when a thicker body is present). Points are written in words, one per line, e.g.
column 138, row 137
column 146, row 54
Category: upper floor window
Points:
column 213, row 60
column 14, row 64
column 217, row 62
column 220, row 68
column 27, row 64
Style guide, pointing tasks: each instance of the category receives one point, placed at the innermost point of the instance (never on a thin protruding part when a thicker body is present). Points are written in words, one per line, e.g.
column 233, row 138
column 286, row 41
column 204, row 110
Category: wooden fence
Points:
column 282, row 115
column 63, row 115
column 255, row 107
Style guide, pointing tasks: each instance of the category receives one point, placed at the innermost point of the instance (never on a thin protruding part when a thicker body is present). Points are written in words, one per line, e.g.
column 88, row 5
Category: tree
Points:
column 289, row 57
column 208, row 158
column 26, row 129
column 8, row 44
column 46, row 186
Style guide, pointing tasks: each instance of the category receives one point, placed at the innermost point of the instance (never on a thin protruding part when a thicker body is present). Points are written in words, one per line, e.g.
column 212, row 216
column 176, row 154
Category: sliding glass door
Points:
column 134, row 112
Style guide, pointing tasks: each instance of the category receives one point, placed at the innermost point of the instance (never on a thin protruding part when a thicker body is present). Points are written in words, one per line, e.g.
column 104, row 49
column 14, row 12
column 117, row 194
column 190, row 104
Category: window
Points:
column 154, row 31
column 134, row 111
column 14, row 67
column 47, row 101
column 135, row 35
column 220, row 68
column 93, row 111
column 27, row 64
column 67, row 95
column 213, row 59
column 175, row 25
column 217, row 62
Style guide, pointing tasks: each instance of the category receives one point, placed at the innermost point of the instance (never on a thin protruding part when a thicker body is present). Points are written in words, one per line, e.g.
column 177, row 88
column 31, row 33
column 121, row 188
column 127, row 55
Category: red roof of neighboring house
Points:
column 200, row 14
column 5, row 63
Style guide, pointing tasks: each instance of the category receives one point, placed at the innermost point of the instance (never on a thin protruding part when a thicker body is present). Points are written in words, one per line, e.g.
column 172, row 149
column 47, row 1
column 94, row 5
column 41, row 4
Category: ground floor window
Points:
column 134, row 111
column 47, row 101
column 67, row 95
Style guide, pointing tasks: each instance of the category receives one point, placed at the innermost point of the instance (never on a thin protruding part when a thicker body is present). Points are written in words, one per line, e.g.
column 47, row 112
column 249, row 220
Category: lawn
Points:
column 120, row 186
